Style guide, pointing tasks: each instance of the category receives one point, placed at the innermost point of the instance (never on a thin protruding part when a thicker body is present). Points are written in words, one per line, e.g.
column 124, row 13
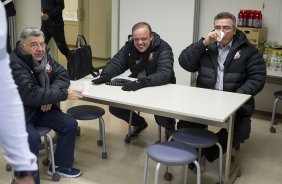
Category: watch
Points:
column 22, row 174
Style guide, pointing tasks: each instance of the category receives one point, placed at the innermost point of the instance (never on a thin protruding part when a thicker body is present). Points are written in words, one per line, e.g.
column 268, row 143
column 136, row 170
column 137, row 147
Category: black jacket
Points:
column 244, row 68
column 53, row 8
column 158, row 62
column 32, row 94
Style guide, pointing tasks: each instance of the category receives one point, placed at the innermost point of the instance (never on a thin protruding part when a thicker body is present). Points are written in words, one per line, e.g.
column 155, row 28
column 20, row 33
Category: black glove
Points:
column 102, row 79
column 135, row 85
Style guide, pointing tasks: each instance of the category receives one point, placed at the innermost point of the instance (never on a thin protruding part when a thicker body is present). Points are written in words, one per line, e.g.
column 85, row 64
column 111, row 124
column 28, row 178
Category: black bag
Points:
column 80, row 60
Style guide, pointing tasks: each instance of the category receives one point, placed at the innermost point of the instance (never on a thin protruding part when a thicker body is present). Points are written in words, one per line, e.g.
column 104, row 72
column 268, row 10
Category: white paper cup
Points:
column 220, row 37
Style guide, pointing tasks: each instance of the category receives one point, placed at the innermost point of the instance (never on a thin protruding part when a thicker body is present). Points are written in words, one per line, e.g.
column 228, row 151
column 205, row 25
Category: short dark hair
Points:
column 226, row 15
column 142, row 24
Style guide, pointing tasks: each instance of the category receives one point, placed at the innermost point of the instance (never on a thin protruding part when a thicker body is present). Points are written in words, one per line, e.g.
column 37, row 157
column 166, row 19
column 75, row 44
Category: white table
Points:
column 205, row 106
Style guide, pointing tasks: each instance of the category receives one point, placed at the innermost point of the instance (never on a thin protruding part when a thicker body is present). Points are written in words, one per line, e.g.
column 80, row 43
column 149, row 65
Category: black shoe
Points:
column 192, row 167
column 136, row 130
column 168, row 132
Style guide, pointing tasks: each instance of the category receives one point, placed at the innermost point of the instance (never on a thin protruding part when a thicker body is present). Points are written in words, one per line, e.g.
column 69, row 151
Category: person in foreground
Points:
column 42, row 83
column 232, row 64
column 150, row 60
column 13, row 135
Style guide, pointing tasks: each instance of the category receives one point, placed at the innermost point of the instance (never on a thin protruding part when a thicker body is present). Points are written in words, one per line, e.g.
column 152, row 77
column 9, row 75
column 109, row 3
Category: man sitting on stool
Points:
column 150, row 59
column 42, row 83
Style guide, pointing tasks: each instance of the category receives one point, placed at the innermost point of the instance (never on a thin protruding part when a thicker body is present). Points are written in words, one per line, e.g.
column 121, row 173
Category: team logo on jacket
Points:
column 151, row 56
column 48, row 68
column 237, row 55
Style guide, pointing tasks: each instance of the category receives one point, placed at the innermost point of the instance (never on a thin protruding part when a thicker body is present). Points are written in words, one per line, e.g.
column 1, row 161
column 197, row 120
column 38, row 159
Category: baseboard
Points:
column 265, row 113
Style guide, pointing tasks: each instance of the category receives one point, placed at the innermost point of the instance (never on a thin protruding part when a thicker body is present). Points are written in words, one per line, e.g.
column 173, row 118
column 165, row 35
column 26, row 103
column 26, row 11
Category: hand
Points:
column 45, row 108
column 211, row 37
column 44, row 16
column 25, row 180
column 74, row 94
column 134, row 85
column 102, row 79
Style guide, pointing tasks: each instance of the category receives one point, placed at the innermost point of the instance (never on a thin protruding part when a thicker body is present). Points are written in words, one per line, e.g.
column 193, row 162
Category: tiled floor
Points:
column 260, row 157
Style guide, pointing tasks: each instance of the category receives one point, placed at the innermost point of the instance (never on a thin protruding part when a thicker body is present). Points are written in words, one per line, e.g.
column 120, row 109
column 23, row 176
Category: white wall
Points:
column 27, row 16
column 100, row 27
column 172, row 21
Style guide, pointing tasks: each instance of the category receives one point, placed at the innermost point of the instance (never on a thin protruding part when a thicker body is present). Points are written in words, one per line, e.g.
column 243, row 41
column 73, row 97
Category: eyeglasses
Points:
column 35, row 45
column 223, row 28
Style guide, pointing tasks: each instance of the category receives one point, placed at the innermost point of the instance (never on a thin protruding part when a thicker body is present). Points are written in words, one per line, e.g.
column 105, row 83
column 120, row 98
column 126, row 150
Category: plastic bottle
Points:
column 273, row 61
column 265, row 54
column 240, row 20
column 250, row 18
column 260, row 18
column 279, row 61
column 256, row 19
column 245, row 18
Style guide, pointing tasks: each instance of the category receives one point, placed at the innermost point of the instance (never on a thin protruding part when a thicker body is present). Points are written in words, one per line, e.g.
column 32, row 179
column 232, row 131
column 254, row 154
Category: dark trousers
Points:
column 56, row 30
column 242, row 129
column 64, row 125
column 138, row 120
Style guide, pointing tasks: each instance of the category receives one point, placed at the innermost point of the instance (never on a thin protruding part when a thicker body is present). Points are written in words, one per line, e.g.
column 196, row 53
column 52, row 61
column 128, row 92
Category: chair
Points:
column 278, row 96
column 44, row 132
column 173, row 154
column 198, row 138
column 91, row 112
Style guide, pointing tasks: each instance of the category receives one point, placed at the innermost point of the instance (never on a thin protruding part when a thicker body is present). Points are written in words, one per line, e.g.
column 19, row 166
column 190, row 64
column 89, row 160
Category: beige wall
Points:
column 100, row 27
column 93, row 21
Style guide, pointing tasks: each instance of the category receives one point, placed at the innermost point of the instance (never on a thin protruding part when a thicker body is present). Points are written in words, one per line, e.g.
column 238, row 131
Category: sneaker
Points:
column 65, row 171
column 136, row 130
column 192, row 167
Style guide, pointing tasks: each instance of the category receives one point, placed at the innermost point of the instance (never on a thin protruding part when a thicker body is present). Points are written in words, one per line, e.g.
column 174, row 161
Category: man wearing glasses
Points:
column 229, row 64
column 42, row 83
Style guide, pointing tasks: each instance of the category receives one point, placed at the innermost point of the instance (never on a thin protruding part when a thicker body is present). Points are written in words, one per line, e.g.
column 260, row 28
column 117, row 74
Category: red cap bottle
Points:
column 240, row 20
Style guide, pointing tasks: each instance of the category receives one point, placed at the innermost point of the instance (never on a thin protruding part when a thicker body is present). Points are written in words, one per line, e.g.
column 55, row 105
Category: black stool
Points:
column 91, row 112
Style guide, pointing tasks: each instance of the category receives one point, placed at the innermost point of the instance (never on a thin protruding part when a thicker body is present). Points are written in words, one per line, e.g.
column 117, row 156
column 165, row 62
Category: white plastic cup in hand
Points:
column 220, row 37
column 85, row 86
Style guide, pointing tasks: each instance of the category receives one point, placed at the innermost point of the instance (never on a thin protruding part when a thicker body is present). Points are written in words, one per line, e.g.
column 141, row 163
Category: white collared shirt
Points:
column 221, row 57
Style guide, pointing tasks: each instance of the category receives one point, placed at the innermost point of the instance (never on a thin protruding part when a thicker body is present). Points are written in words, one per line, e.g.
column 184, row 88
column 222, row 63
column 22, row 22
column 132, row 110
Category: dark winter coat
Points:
column 158, row 62
column 32, row 94
column 244, row 68
column 53, row 8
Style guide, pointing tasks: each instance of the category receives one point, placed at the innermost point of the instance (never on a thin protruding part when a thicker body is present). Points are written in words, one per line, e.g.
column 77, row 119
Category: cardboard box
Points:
column 256, row 36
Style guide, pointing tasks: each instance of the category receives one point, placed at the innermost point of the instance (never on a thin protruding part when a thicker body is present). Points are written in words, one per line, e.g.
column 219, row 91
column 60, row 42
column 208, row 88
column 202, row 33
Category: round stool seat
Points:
column 43, row 130
column 172, row 153
column 86, row 112
column 278, row 94
column 195, row 137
